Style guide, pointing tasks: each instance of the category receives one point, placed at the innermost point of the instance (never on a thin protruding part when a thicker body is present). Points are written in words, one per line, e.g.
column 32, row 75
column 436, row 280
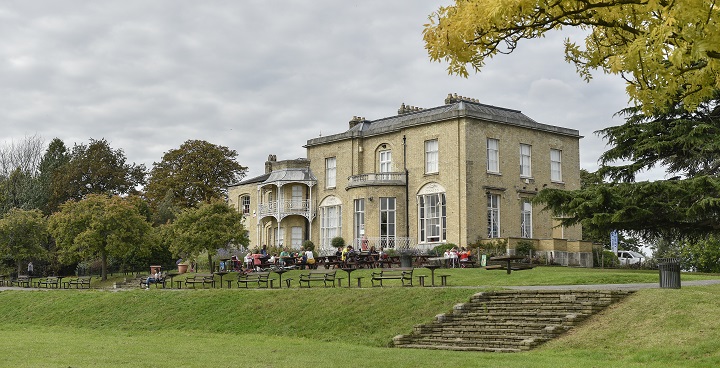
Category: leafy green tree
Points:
column 166, row 210
column 207, row 228
column 665, row 50
column 686, row 144
column 196, row 172
column 96, row 168
column 100, row 226
column 701, row 255
column 20, row 190
column 55, row 158
column 23, row 235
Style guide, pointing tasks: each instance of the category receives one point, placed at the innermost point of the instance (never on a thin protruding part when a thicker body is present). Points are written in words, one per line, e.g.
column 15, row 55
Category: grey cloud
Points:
column 260, row 77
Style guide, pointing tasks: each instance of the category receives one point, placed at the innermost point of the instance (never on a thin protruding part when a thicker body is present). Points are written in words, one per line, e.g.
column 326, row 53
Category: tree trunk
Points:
column 103, row 255
column 210, row 262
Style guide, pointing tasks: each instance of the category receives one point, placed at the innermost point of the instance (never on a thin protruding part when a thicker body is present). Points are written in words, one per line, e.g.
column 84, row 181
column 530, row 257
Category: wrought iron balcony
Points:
column 375, row 179
column 287, row 207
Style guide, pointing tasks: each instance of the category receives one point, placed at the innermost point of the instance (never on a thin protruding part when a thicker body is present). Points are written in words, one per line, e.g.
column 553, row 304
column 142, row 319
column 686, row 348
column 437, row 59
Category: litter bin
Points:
column 669, row 272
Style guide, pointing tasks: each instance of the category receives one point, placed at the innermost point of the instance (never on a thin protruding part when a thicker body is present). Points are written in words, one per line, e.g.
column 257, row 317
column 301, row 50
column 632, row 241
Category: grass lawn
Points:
column 343, row 327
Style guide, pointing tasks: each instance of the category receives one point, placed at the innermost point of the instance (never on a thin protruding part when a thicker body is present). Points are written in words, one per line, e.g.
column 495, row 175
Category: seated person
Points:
column 249, row 261
column 309, row 258
column 153, row 278
column 284, row 257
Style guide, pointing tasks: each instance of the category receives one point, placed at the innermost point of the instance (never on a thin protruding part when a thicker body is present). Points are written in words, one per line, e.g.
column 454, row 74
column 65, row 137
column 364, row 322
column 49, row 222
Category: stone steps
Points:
column 508, row 321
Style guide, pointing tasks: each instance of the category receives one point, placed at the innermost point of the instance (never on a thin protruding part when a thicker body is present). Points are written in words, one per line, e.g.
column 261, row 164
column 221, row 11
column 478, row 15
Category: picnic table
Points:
column 432, row 268
column 281, row 271
column 221, row 274
column 509, row 266
column 348, row 270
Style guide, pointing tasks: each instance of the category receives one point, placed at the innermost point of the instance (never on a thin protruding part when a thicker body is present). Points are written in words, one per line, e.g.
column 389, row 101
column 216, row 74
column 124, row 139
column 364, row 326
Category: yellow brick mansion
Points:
column 458, row 173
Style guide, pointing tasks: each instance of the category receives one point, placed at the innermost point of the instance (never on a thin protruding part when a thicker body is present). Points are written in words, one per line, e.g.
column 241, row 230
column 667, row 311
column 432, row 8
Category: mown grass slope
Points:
column 339, row 327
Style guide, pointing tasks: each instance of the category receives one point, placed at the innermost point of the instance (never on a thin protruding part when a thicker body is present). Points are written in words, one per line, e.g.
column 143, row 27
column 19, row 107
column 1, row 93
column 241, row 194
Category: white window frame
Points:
column 432, row 157
column 555, row 165
column 296, row 237
column 330, row 172
column 388, row 221
column 525, row 160
column 526, row 219
column 244, row 204
column 296, row 196
column 432, row 218
column 385, row 161
column 359, row 218
column 493, row 215
column 493, row 155
column 330, row 224
column 280, row 236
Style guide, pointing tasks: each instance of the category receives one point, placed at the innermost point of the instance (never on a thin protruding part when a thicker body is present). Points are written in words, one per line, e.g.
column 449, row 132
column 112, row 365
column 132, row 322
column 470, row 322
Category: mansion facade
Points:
column 460, row 173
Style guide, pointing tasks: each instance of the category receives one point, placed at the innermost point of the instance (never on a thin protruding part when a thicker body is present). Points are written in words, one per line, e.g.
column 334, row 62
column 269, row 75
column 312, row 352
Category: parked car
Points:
column 628, row 257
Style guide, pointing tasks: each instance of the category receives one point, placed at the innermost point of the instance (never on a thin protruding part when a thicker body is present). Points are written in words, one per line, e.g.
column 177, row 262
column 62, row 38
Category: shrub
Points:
column 440, row 249
column 604, row 258
column 309, row 245
column 337, row 242
column 493, row 248
column 524, row 248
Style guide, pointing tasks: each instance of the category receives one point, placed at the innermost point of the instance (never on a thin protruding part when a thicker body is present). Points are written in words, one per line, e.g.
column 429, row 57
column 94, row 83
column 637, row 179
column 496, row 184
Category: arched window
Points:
column 330, row 220
column 432, row 214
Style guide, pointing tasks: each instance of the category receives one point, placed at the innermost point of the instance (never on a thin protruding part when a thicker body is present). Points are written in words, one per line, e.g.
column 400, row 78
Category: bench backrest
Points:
column 254, row 275
column 321, row 272
column 200, row 277
column 395, row 271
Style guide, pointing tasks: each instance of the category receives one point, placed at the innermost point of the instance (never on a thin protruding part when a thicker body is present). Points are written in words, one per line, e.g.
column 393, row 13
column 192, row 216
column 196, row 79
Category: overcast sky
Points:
column 260, row 77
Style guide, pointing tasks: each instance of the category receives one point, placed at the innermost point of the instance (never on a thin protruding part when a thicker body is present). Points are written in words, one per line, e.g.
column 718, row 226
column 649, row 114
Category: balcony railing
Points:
column 385, row 242
column 287, row 207
column 371, row 179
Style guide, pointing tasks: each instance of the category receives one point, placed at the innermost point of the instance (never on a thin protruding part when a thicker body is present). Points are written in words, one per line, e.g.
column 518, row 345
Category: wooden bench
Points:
column 49, row 282
column 21, row 281
column 80, row 282
column 318, row 275
column 200, row 279
column 251, row 278
column 402, row 274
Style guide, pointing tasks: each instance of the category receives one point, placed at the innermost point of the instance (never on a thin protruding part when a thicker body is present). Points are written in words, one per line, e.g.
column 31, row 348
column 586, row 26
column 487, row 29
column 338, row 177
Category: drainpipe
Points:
column 407, row 191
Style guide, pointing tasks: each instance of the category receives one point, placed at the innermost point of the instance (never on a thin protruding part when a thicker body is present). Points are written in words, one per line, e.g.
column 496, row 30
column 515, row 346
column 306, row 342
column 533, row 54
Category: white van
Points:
column 628, row 257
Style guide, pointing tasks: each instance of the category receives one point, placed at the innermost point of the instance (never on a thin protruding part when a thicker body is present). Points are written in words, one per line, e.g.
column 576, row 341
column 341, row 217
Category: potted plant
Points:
column 182, row 267
column 406, row 253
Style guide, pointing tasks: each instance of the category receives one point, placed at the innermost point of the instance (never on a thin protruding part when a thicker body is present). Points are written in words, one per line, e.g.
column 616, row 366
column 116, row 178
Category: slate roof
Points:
column 257, row 179
column 460, row 109
column 291, row 175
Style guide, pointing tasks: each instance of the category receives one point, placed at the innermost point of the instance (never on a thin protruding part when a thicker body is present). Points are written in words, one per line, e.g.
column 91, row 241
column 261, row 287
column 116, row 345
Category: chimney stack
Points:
column 356, row 120
column 406, row 109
